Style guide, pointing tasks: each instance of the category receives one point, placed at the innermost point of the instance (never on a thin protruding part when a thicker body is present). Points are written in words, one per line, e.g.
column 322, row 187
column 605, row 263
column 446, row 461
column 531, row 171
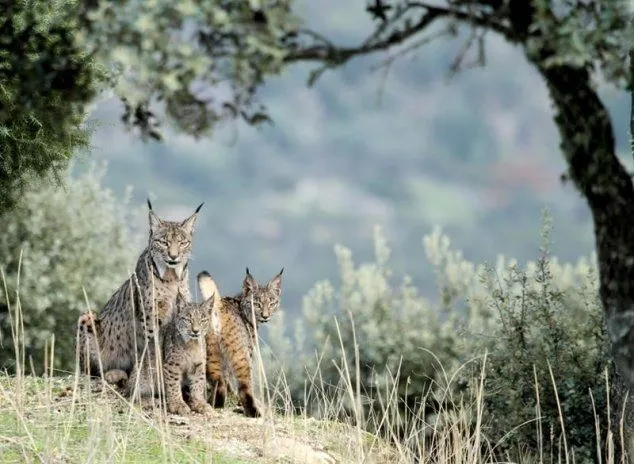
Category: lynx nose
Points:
column 172, row 258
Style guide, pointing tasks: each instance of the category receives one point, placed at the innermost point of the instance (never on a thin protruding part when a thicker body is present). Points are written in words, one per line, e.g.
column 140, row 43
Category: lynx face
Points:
column 192, row 319
column 171, row 242
column 265, row 298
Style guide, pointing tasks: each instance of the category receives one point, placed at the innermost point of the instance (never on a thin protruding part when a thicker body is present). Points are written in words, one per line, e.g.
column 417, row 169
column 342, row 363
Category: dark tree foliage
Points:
column 194, row 63
column 46, row 81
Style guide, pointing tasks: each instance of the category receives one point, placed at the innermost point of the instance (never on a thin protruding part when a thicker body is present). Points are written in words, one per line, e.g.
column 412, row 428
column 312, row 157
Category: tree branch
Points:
column 333, row 55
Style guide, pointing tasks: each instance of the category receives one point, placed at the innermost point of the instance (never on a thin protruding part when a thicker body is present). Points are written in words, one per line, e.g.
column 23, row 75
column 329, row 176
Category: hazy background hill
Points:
column 477, row 155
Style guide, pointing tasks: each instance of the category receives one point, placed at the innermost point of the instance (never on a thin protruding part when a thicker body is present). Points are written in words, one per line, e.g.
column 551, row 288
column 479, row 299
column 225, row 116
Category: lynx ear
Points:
column 154, row 219
column 208, row 287
column 249, row 284
column 189, row 223
column 276, row 282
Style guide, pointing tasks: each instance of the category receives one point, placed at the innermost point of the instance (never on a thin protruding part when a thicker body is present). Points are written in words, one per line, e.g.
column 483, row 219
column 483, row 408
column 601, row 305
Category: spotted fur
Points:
column 230, row 349
column 126, row 329
column 184, row 355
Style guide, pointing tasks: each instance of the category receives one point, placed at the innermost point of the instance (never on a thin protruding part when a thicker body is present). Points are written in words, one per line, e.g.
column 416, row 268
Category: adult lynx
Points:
column 125, row 328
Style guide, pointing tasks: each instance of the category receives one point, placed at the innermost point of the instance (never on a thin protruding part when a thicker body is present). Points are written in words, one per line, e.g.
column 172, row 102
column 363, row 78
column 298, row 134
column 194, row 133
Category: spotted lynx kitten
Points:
column 117, row 336
column 184, row 354
column 230, row 351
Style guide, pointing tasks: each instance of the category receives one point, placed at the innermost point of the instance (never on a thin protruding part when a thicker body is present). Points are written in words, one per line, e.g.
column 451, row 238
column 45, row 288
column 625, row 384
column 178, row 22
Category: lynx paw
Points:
column 251, row 409
column 202, row 408
column 180, row 409
column 115, row 376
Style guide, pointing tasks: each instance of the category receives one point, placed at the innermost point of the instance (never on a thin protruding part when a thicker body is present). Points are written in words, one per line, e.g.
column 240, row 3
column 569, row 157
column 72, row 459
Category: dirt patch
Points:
column 263, row 440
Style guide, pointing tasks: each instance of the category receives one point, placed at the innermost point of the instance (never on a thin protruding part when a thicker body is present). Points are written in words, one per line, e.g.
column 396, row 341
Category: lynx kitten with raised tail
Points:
column 230, row 349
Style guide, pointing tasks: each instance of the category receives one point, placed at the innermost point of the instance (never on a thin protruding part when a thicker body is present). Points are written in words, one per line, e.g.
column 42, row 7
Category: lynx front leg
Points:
column 173, row 379
column 197, row 387
column 143, row 380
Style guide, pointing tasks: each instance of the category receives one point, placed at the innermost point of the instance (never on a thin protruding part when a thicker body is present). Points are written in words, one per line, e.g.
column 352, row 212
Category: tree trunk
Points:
column 631, row 89
column 589, row 147
column 621, row 414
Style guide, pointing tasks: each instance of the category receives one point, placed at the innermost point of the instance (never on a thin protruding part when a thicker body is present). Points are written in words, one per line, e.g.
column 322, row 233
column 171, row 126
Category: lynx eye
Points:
column 185, row 244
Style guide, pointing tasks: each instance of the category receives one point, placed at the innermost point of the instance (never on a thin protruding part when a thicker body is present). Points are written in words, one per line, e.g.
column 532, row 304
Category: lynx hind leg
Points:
column 86, row 343
column 135, row 386
column 142, row 381
column 116, row 377
column 218, row 392
column 243, row 374
column 247, row 400
column 131, row 385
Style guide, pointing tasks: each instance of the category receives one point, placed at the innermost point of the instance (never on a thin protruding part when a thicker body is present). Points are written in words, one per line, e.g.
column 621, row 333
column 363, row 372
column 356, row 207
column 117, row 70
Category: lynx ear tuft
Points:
column 249, row 283
column 155, row 222
column 189, row 223
column 276, row 282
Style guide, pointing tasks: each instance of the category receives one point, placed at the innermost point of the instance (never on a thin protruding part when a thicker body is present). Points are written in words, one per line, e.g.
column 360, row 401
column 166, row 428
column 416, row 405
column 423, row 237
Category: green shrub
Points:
column 520, row 317
column 548, row 338
column 400, row 334
column 58, row 241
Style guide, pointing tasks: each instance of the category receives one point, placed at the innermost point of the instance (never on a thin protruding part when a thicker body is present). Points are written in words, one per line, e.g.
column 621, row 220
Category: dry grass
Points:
column 62, row 418
column 76, row 419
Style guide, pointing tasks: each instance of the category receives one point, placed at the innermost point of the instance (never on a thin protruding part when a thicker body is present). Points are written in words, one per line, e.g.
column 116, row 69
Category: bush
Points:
column 544, row 313
column 547, row 341
column 400, row 334
column 58, row 241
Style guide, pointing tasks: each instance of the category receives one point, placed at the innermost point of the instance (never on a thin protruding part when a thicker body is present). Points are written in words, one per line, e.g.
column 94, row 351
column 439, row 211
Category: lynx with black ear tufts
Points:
column 230, row 351
column 144, row 303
